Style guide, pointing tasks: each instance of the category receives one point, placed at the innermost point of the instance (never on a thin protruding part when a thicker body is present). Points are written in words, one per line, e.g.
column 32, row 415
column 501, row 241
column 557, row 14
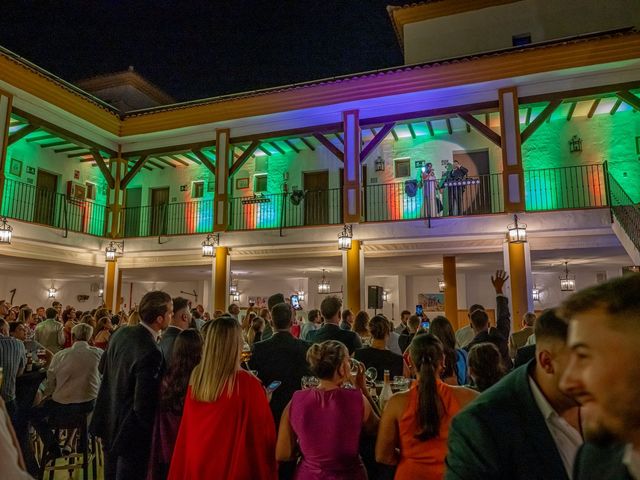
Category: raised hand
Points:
column 499, row 280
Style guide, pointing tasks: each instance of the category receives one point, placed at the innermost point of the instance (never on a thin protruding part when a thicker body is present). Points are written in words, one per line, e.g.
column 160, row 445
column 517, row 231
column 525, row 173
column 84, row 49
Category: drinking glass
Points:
column 400, row 383
column 371, row 374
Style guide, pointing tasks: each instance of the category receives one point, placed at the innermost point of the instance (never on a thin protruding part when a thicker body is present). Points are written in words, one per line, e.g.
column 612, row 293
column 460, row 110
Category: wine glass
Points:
column 371, row 374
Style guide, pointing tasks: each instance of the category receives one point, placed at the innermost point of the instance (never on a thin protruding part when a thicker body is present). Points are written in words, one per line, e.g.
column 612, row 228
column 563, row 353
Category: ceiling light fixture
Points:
column 567, row 280
column 209, row 245
column 324, row 286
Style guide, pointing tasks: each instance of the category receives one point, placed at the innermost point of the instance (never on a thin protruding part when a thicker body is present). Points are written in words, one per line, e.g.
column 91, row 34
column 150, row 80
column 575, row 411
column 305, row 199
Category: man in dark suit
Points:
column 524, row 427
column 330, row 308
column 499, row 336
column 126, row 403
column 524, row 355
column 180, row 321
column 604, row 376
column 282, row 357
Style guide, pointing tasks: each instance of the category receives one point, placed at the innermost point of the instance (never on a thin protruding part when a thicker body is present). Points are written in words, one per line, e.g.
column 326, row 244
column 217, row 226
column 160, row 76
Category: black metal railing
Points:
column 38, row 205
column 412, row 200
column 580, row 186
column 182, row 218
column 625, row 211
column 285, row 210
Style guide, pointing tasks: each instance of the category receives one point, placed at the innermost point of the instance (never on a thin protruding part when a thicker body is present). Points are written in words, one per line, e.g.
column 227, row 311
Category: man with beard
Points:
column 524, row 427
column 604, row 376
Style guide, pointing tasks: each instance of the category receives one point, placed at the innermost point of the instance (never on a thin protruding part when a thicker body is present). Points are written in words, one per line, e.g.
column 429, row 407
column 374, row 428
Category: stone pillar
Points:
column 220, row 279
column 451, row 290
column 353, row 277
column 221, row 199
column 352, row 187
column 512, row 172
column 112, row 294
column 5, row 121
column 517, row 261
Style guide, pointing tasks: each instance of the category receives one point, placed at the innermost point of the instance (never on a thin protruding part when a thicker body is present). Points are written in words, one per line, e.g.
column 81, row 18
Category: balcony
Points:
column 577, row 187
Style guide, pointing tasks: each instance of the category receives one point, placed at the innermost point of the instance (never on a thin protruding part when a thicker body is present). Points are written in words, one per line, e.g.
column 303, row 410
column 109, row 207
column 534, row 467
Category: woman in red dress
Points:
column 227, row 430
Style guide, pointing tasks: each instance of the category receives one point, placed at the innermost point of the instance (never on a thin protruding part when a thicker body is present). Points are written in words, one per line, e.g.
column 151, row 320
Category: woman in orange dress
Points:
column 417, row 421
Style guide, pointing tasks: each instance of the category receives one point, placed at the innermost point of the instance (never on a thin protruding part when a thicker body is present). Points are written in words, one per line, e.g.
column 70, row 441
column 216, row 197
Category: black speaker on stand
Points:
column 374, row 298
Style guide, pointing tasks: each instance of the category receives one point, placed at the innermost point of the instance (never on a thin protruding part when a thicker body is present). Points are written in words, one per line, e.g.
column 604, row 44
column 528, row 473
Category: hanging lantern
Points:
column 535, row 294
column 517, row 231
column 441, row 285
column 209, row 245
column 324, row 286
column 112, row 250
column 567, row 280
column 236, row 297
column 233, row 287
column 379, row 164
column 301, row 295
column 6, row 231
column 344, row 238
column 52, row 292
column 386, row 296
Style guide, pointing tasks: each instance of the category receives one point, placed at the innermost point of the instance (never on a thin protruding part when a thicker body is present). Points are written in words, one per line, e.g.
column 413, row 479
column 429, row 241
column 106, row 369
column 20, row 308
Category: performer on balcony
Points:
column 455, row 191
column 432, row 204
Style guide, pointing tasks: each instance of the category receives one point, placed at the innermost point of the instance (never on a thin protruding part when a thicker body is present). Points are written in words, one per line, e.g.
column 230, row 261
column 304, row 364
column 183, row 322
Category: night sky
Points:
column 197, row 49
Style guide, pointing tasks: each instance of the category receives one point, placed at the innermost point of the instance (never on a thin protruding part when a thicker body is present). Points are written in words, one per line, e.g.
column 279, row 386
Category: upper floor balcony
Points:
column 575, row 187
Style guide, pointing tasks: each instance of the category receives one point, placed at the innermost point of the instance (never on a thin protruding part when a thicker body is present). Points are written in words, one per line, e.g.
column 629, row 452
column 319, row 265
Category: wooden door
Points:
column 316, row 200
column 132, row 203
column 476, row 198
column 159, row 202
column 45, row 198
column 363, row 205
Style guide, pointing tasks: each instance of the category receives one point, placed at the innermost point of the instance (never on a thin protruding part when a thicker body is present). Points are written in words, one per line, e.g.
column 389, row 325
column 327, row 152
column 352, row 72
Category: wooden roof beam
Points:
column 166, row 162
column 46, row 136
column 594, row 107
column 244, row 157
column 291, row 145
column 430, row 128
column 572, row 109
column 157, row 165
column 395, row 135
column 20, row 134
column 263, row 150
column 629, row 98
column 205, row 160
column 106, row 173
column 339, row 137
column 616, row 106
column 375, row 141
column 412, row 132
column 54, row 144
column 133, row 172
column 278, row 148
column 326, row 143
column 540, row 119
column 179, row 160
column 309, row 145
column 481, row 128
column 68, row 149
column 449, row 127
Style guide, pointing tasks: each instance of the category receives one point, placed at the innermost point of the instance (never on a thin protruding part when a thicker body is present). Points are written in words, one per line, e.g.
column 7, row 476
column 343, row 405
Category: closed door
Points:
column 364, row 193
column 132, row 203
column 476, row 197
column 159, row 202
column 45, row 201
column 316, row 200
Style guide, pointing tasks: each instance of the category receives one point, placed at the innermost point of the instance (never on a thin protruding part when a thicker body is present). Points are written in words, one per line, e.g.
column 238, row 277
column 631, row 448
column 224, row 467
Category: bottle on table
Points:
column 29, row 367
column 386, row 392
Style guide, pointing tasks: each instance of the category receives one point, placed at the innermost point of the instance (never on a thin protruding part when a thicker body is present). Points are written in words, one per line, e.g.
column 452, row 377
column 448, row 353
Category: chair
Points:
column 86, row 447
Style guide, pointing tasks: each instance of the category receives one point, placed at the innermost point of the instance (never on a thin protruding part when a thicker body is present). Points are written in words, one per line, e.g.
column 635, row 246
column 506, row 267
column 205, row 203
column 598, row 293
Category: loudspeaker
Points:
column 374, row 297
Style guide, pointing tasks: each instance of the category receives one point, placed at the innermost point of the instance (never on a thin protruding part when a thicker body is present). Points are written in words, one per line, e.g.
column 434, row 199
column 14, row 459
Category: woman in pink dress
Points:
column 323, row 425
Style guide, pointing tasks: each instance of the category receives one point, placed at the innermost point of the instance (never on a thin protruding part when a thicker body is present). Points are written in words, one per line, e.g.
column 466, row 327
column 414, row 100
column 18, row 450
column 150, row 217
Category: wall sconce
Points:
column 52, row 292
column 386, row 296
column 575, row 144
column 233, row 287
column 209, row 245
column 441, row 285
column 324, row 286
column 236, row 297
column 301, row 295
column 517, row 231
column 6, row 231
column 379, row 163
column 101, row 292
column 567, row 281
column 112, row 250
column 535, row 294
column 344, row 238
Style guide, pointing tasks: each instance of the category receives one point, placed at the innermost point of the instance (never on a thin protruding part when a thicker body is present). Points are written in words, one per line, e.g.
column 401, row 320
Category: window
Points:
column 521, row 39
column 197, row 189
column 260, row 183
column 402, row 167
column 91, row 190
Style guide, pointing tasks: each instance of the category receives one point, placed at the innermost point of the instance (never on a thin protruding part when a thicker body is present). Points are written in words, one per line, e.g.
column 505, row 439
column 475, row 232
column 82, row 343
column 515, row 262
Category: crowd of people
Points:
column 173, row 392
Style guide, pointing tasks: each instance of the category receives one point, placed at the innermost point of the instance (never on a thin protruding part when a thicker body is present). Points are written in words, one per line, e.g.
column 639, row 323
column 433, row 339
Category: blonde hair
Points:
column 220, row 360
column 134, row 319
column 325, row 358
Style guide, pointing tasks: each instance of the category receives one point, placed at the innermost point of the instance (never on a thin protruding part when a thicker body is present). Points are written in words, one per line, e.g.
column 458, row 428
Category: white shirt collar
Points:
column 541, row 401
column 631, row 460
column 151, row 330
